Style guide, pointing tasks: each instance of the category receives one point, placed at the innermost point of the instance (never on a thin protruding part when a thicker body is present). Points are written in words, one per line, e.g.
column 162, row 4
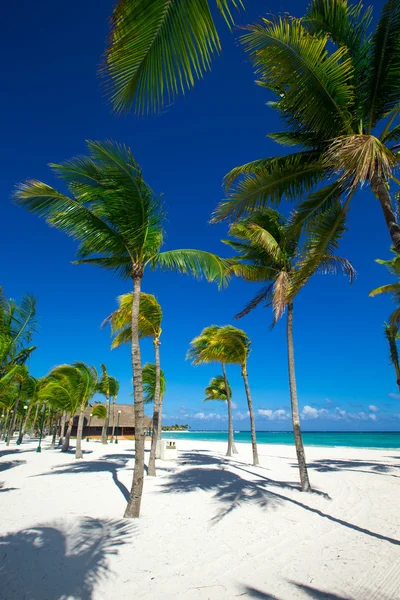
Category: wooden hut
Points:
column 93, row 425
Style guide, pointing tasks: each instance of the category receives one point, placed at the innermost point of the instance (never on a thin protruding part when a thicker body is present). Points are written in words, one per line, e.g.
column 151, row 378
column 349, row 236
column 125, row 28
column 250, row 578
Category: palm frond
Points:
column 383, row 77
column 390, row 288
column 216, row 389
column 317, row 202
column 149, row 382
column 315, row 88
column 262, row 296
column 194, row 262
column 158, row 48
column 286, row 176
column 99, row 411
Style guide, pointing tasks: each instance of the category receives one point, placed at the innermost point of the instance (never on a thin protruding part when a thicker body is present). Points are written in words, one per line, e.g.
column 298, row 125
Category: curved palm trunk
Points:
column 113, row 418
column 379, row 187
column 65, row 444
column 53, row 439
column 230, row 422
column 13, row 418
column 301, row 457
column 35, row 418
column 135, row 497
column 79, row 431
column 104, row 431
column 156, row 411
column 394, row 357
column 25, row 425
column 62, row 428
column 251, row 415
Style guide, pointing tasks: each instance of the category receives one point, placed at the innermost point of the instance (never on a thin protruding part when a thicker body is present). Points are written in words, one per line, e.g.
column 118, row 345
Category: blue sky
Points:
column 51, row 102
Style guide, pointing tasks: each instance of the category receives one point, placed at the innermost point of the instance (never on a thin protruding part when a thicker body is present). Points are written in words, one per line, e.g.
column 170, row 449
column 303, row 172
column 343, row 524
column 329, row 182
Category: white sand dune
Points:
column 211, row 527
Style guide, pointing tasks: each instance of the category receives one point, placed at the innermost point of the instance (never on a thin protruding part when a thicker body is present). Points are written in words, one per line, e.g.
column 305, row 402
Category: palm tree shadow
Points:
column 10, row 464
column 58, row 561
column 112, row 464
column 231, row 490
column 255, row 593
column 361, row 466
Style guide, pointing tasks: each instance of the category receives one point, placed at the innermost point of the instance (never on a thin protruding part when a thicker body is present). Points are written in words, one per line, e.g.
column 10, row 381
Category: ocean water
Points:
column 320, row 438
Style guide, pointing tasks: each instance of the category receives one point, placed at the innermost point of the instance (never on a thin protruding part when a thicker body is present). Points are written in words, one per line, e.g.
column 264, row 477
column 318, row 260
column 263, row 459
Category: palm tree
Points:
column 79, row 384
column 336, row 88
column 24, row 384
column 154, row 386
column 267, row 252
column 392, row 328
column 216, row 390
column 17, row 326
column 119, row 224
column 158, row 49
column 208, row 348
column 103, row 387
column 150, row 317
column 114, row 389
column 35, row 396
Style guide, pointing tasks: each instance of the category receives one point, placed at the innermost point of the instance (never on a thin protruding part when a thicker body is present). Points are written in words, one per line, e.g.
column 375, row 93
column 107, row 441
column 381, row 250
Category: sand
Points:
column 211, row 527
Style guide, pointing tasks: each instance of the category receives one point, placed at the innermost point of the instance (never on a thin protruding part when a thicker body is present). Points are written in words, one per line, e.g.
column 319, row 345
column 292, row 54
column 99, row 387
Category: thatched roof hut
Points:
column 126, row 420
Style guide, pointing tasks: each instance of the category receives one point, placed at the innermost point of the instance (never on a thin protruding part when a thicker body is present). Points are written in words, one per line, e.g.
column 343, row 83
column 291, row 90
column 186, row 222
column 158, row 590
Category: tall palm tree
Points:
column 18, row 324
column 154, row 385
column 336, row 88
column 23, row 388
column 35, row 396
column 118, row 222
column 114, row 389
column 208, row 348
column 391, row 329
column 150, row 317
column 103, row 387
column 267, row 252
column 159, row 48
column 79, row 384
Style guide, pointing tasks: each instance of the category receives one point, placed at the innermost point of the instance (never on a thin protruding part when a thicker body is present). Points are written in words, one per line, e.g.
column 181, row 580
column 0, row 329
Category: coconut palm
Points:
column 267, row 252
column 24, row 384
column 71, row 388
column 99, row 411
column 114, row 389
column 150, row 317
column 159, row 48
column 103, row 387
column 208, row 348
column 393, row 266
column 17, row 326
column 216, row 390
column 336, row 88
column 118, row 222
column 35, row 396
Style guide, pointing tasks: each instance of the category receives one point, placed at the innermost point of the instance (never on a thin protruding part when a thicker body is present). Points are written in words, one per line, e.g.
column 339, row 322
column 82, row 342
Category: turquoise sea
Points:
column 320, row 438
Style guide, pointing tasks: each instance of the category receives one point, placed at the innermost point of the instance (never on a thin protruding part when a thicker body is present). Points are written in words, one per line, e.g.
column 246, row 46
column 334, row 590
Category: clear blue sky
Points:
column 51, row 102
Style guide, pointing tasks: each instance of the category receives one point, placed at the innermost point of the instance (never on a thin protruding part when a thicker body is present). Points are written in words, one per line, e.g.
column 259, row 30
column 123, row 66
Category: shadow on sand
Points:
column 10, row 464
column 362, row 466
column 112, row 464
column 231, row 490
column 60, row 561
column 310, row 592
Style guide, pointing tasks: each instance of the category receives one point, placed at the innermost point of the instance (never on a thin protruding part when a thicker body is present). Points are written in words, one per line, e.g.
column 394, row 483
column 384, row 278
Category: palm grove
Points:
column 333, row 79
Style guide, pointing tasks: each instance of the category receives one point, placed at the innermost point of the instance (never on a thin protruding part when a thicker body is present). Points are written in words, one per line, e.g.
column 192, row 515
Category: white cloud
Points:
column 340, row 413
column 309, row 412
column 273, row 415
column 373, row 408
column 395, row 396
column 372, row 416
column 241, row 416
column 234, row 405
column 209, row 416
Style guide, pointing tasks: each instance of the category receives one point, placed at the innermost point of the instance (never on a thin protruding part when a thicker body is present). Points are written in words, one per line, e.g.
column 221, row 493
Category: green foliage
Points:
column 150, row 317
column 149, row 383
column 71, row 387
column 225, row 344
column 333, row 84
column 18, row 325
column 393, row 266
column 216, row 389
column 99, row 411
column 114, row 215
column 158, row 48
column 268, row 251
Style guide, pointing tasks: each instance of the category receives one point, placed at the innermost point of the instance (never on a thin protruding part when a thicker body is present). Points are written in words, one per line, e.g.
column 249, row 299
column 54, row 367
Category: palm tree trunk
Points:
column 230, row 422
column 55, row 427
column 379, row 187
column 4, row 422
column 251, row 415
column 24, row 426
column 301, row 457
column 79, row 431
column 156, row 411
column 65, row 444
column 104, row 431
column 62, row 428
column 35, row 417
column 159, row 435
column 14, row 417
column 135, row 497
column 113, row 418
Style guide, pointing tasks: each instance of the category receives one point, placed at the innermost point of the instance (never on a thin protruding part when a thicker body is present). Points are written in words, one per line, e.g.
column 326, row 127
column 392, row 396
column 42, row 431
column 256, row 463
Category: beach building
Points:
column 124, row 426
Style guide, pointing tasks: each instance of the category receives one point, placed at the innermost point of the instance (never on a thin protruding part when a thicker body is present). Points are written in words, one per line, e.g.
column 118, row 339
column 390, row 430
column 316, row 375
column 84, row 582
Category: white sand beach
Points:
column 211, row 527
